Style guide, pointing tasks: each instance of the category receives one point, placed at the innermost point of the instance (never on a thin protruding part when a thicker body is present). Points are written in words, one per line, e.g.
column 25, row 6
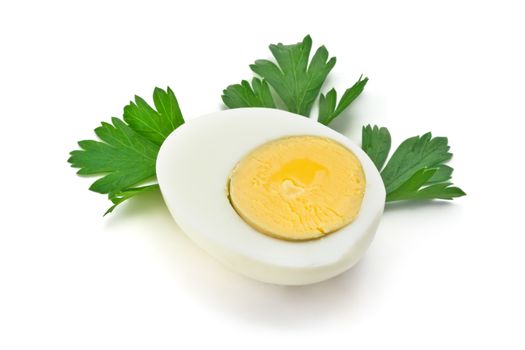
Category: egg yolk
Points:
column 298, row 188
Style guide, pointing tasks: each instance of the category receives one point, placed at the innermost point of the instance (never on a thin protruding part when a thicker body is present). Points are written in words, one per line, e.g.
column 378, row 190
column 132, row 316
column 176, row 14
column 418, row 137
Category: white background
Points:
column 438, row 275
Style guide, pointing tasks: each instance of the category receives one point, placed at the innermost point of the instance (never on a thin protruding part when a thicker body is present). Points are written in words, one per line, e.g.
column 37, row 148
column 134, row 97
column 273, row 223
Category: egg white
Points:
column 193, row 167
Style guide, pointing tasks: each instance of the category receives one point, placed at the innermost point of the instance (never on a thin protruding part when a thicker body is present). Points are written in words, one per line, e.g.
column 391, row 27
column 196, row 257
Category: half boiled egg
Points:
column 273, row 195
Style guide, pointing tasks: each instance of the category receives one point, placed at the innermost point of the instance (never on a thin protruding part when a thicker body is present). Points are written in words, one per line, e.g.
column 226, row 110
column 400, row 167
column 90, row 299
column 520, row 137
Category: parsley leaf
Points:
column 126, row 154
column 413, row 154
column 296, row 79
column 443, row 173
column 416, row 170
column 413, row 188
column 123, row 155
column 328, row 110
column 154, row 125
column 244, row 95
column 376, row 143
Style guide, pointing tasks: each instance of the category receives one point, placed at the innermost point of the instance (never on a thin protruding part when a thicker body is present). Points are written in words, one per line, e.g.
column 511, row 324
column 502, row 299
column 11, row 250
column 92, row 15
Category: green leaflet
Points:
column 413, row 154
column 126, row 153
column 416, row 170
column 376, row 143
column 329, row 110
column 123, row 157
column 295, row 78
column 244, row 95
column 415, row 188
column 154, row 125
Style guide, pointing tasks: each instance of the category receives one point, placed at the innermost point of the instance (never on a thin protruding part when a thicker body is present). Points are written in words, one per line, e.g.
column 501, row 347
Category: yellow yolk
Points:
column 298, row 188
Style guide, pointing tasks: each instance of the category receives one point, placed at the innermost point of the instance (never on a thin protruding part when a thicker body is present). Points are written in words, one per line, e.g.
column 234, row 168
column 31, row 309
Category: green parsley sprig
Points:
column 296, row 80
column 126, row 153
column 416, row 170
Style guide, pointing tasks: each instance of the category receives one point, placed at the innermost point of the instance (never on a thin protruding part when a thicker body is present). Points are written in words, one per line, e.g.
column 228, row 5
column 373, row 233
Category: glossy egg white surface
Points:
column 193, row 168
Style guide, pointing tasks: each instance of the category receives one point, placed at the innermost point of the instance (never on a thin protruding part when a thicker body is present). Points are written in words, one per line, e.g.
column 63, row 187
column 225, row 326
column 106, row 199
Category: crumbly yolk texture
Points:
column 298, row 188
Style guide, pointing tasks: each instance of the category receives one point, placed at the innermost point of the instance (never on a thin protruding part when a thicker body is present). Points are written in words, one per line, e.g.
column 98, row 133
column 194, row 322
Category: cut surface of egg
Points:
column 275, row 196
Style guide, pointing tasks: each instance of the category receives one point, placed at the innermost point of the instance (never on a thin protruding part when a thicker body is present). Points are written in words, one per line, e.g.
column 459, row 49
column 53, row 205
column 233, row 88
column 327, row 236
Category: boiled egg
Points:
column 274, row 196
